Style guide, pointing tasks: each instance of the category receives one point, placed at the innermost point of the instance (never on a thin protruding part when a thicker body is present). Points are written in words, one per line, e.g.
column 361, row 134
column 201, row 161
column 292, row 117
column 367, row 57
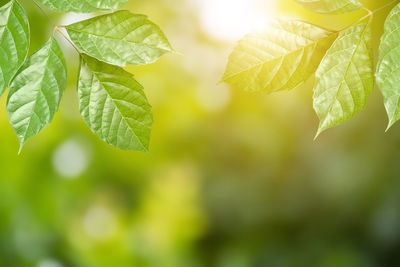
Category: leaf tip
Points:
column 319, row 132
column 390, row 124
column 142, row 149
column 224, row 79
column 177, row 52
column 317, row 135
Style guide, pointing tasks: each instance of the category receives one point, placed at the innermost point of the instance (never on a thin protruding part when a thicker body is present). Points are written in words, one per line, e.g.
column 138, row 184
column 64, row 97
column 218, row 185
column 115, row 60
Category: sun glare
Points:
column 231, row 19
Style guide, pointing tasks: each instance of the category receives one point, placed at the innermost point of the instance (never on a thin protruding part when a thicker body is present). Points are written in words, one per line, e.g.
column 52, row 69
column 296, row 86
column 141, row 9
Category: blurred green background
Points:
column 232, row 179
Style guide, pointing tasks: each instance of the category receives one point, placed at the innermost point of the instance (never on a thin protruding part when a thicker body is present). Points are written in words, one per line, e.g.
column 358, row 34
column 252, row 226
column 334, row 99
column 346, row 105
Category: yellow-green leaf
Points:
column 120, row 38
column 83, row 6
column 113, row 105
column 281, row 57
column 36, row 91
column 345, row 78
column 388, row 70
column 330, row 6
column 14, row 41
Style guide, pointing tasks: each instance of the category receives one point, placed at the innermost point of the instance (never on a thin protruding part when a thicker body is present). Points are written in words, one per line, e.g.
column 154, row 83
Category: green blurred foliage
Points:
column 232, row 179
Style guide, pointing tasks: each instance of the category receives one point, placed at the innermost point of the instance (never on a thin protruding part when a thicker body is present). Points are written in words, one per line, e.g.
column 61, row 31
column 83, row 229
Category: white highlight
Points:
column 71, row 17
column 231, row 19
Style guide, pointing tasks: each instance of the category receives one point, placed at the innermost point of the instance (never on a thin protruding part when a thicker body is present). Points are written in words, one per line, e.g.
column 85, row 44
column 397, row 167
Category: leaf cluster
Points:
column 288, row 52
column 112, row 102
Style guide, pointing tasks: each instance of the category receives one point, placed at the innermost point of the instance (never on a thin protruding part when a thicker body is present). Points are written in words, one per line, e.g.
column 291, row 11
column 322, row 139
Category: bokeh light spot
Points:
column 71, row 159
column 99, row 222
column 49, row 263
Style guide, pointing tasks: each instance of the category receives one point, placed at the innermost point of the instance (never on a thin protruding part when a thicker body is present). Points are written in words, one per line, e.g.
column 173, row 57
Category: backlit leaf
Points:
column 345, row 79
column 36, row 91
column 330, row 6
column 120, row 38
column 83, row 6
column 113, row 105
column 14, row 41
column 388, row 70
column 281, row 57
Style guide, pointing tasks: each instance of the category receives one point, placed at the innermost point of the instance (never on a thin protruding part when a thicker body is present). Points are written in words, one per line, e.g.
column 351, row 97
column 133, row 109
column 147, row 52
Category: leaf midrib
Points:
column 76, row 9
column 38, row 92
column 338, row 10
column 116, row 106
column 279, row 57
column 345, row 73
column 120, row 40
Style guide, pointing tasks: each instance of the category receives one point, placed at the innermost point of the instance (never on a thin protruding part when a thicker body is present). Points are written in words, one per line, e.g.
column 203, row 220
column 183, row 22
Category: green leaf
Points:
column 331, row 6
column 345, row 78
column 83, row 6
column 388, row 70
column 36, row 91
column 14, row 41
column 120, row 38
column 114, row 105
column 281, row 57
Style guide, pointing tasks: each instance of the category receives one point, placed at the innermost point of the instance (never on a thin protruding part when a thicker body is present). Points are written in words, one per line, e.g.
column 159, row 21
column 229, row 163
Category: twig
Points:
column 370, row 14
column 385, row 6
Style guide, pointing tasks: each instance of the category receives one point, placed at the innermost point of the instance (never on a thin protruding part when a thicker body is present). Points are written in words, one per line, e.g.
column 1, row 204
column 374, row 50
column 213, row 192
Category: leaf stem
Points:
column 370, row 14
column 358, row 21
column 43, row 11
column 385, row 6
column 57, row 28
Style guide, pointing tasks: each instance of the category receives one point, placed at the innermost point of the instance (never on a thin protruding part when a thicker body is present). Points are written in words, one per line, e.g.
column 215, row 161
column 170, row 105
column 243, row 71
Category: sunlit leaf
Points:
column 36, row 91
column 345, row 79
column 388, row 70
column 120, row 38
column 281, row 57
column 330, row 6
column 83, row 6
column 113, row 104
column 14, row 41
